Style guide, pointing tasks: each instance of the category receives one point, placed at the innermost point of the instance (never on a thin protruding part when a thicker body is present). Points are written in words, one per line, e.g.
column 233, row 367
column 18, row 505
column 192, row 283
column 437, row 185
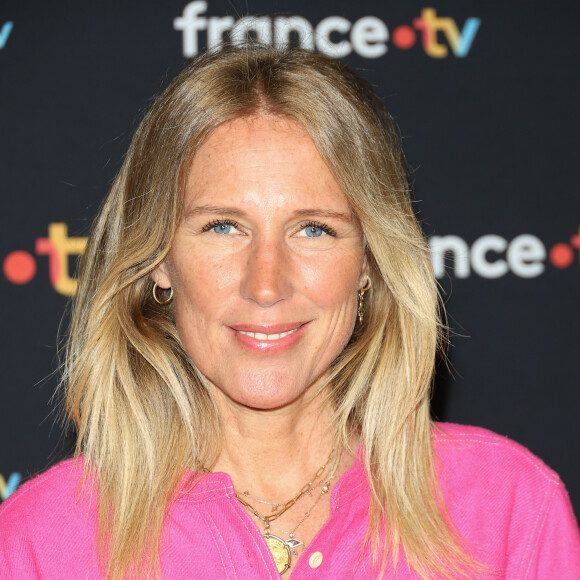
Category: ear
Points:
column 161, row 275
column 365, row 272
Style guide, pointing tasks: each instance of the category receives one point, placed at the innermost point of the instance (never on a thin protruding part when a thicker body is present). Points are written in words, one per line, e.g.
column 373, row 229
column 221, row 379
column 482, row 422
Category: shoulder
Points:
column 480, row 451
column 45, row 499
column 48, row 526
column 491, row 470
column 499, row 494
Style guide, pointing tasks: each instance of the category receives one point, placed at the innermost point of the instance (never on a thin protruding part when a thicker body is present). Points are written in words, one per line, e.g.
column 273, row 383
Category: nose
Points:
column 266, row 279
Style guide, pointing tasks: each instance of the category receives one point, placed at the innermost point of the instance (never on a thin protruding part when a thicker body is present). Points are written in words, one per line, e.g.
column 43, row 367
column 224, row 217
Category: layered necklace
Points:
column 281, row 549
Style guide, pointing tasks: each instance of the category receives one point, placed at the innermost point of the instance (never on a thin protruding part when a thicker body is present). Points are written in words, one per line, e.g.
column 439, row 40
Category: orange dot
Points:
column 561, row 255
column 404, row 37
column 19, row 267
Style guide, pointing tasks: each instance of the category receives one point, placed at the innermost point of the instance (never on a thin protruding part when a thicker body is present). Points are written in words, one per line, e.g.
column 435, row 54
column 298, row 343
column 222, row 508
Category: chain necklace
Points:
column 280, row 549
column 293, row 542
column 276, row 506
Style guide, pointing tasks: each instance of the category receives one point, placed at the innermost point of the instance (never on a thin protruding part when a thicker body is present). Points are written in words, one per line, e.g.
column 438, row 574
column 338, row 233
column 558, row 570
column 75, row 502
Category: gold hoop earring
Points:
column 361, row 300
column 156, row 298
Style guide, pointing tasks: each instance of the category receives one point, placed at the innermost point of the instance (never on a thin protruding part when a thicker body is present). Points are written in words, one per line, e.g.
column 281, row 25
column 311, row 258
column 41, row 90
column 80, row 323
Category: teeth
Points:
column 262, row 336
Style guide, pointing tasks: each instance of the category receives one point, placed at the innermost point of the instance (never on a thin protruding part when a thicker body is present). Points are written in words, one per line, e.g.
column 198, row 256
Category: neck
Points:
column 274, row 453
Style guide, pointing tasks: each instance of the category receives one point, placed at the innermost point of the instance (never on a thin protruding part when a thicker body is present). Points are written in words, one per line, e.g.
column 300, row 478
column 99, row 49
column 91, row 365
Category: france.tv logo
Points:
column 335, row 36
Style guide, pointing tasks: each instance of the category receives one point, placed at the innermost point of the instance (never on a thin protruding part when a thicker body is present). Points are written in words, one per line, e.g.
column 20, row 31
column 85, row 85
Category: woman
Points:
column 250, row 360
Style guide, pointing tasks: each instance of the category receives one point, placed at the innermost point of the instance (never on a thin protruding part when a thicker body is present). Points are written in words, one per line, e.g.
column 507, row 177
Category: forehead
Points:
column 264, row 129
column 261, row 159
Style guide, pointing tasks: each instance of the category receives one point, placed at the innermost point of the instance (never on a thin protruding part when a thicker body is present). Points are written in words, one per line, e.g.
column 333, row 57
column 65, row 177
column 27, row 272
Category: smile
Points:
column 269, row 339
column 262, row 336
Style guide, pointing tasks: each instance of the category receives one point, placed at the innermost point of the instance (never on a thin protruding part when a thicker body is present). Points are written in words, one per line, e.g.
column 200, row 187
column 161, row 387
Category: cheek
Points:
column 201, row 290
column 200, row 282
column 335, row 282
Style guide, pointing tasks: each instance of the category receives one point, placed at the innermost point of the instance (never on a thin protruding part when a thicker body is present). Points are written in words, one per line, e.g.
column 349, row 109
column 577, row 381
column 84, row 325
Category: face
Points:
column 265, row 264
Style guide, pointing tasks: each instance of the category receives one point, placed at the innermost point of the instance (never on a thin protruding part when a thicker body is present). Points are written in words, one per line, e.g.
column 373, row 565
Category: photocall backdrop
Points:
column 485, row 95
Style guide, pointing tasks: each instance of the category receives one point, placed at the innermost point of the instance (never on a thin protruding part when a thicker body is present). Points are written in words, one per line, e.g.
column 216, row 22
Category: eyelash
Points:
column 220, row 222
column 229, row 222
column 326, row 229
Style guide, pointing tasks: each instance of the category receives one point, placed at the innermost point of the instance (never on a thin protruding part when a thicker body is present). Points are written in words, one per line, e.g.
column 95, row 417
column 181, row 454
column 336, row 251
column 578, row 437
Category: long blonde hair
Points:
column 140, row 407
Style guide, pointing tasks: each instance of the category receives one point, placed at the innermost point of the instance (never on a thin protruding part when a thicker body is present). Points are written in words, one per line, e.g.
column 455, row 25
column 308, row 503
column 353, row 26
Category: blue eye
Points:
column 313, row 231
column 222, row 228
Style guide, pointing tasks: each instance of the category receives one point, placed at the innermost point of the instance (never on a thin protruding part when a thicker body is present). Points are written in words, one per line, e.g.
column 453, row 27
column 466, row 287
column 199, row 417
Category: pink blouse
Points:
column 509, row 507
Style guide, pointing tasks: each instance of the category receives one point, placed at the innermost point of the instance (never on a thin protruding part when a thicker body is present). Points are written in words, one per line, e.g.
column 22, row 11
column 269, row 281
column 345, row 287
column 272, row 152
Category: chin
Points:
column 267, row 400
column 266, row 390
column 262, row 389
column 264, row 405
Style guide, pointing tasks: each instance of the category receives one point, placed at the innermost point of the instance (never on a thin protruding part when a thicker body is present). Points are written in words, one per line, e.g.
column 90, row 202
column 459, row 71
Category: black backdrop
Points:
column 486, row 102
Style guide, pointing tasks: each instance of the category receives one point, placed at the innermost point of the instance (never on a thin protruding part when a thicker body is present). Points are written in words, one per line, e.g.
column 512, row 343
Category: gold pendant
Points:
column 280, row 552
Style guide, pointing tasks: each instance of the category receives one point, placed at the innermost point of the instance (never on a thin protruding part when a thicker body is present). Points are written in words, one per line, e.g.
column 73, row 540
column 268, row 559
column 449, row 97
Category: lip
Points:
column 263, row 346
column 267, row 328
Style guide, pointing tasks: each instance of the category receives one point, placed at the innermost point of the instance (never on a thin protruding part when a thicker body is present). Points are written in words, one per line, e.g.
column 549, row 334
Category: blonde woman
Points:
column 251, row 355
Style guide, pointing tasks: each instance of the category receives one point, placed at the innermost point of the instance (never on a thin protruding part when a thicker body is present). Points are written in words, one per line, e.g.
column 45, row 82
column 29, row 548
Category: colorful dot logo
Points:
column 562, row 255
column 404, row 37
column 19, row 266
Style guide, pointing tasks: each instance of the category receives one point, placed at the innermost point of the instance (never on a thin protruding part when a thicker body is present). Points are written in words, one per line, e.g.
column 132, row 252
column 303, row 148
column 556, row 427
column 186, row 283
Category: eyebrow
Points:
column 213, row 209
column 325, row 213
column 321, row 213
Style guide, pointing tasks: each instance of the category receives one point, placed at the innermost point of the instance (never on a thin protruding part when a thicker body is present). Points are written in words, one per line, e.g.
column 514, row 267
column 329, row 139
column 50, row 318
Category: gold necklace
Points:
column 293, row 542
column 280, row 549
column 275, row 506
